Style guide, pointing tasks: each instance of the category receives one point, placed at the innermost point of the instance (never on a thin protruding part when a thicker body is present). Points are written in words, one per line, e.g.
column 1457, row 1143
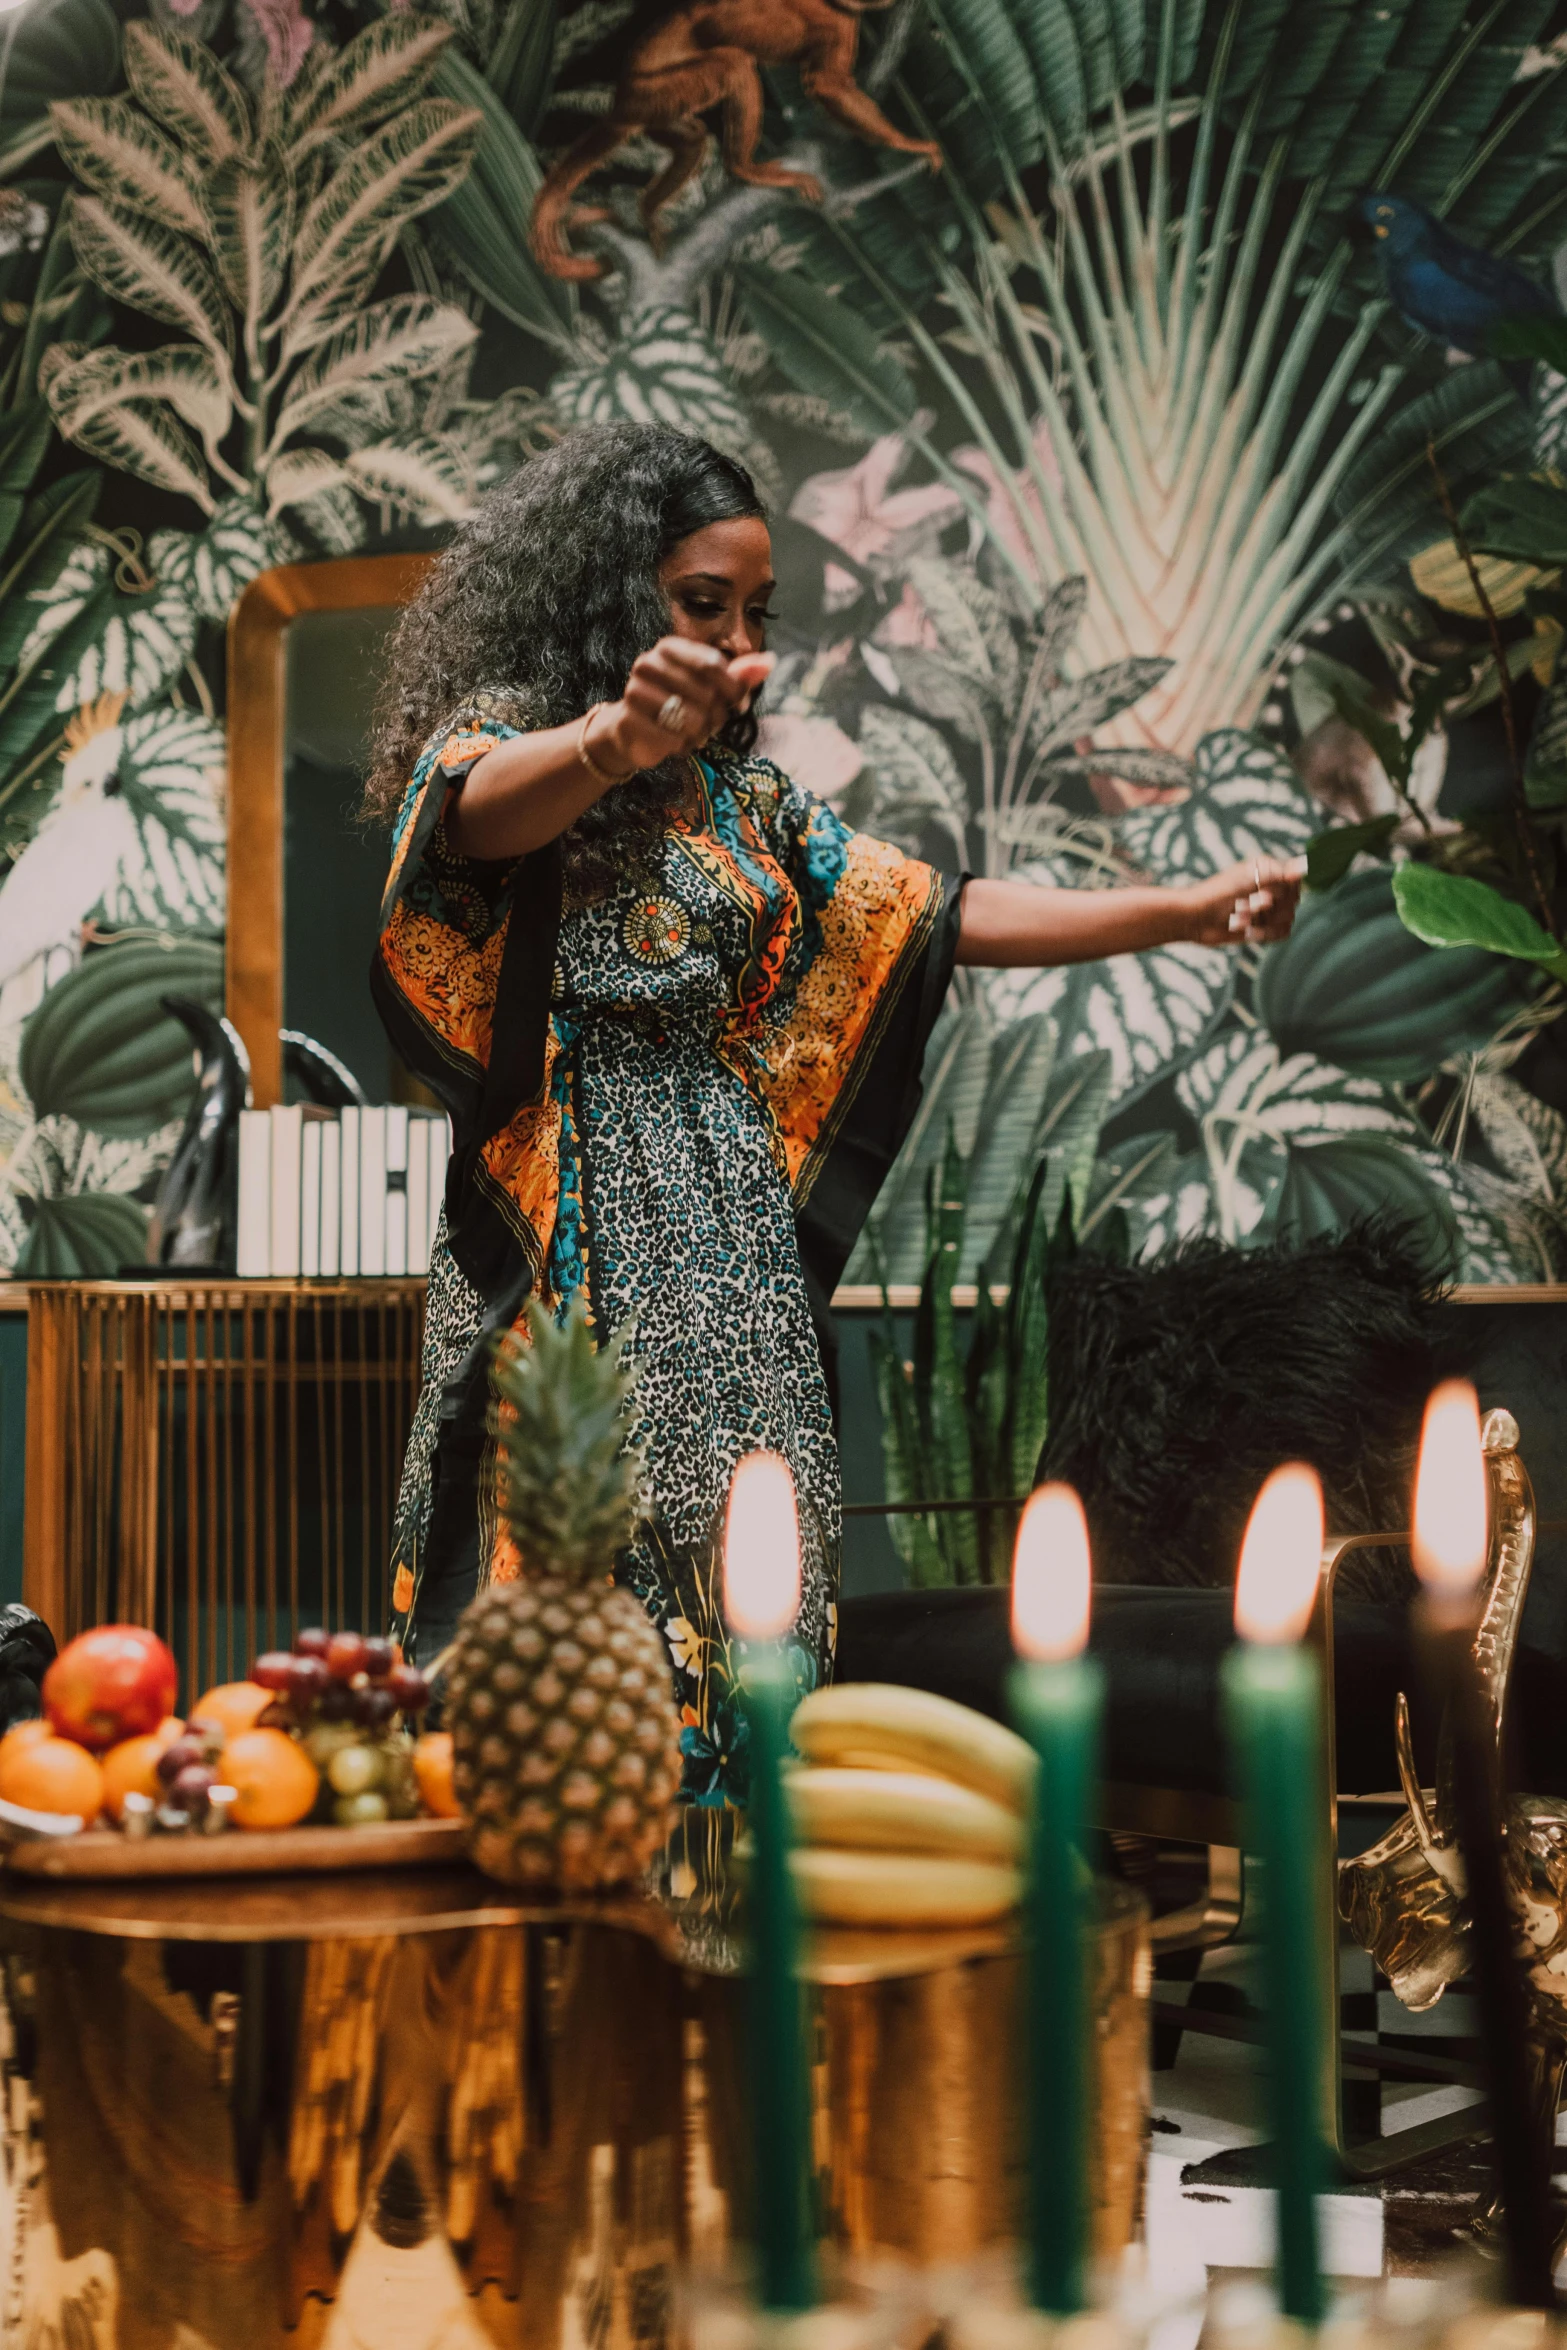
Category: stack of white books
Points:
column 335, row 1194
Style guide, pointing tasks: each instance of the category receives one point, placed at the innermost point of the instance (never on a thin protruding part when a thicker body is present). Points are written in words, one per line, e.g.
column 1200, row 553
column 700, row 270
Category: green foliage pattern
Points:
column 1078, row 443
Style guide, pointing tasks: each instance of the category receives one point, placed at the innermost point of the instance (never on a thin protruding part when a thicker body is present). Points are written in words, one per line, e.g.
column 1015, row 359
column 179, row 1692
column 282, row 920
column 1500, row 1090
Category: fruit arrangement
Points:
column 345, row 1698
column 908, row 1810
column 565, row 1732
column 323, row 1731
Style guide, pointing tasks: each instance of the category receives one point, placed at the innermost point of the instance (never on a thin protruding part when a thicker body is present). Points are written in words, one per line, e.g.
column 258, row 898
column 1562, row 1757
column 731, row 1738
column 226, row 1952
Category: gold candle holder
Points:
column 920, row 2131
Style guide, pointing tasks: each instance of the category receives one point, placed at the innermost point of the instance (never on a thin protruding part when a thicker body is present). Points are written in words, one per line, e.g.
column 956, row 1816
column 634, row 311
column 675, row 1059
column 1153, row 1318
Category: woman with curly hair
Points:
column 675, row 1008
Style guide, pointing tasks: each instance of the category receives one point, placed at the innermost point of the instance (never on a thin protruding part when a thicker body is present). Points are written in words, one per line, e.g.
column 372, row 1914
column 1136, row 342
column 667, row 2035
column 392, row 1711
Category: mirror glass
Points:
column 334, row 863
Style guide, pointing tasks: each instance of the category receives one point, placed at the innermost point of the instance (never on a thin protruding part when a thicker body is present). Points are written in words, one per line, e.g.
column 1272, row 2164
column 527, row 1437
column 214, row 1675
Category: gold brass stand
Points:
column 1394, row 1900
column 420, row 2113
column 1404, row 1899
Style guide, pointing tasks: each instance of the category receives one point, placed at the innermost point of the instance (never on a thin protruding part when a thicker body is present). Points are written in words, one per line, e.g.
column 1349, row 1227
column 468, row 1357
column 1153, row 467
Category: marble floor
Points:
column 1208, row 2208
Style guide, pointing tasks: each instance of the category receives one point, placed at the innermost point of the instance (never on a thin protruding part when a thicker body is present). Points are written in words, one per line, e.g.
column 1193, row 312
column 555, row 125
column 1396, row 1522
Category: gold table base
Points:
column 425, row 2115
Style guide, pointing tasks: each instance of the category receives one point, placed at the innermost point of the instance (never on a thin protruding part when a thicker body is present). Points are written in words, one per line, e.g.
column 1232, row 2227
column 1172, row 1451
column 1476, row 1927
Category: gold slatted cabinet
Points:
column 218, row 1459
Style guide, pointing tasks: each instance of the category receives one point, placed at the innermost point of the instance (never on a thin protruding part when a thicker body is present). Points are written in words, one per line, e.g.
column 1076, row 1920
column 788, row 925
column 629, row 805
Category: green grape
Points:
column 325, row 1739
column 359, row 1811
column 354, row 1770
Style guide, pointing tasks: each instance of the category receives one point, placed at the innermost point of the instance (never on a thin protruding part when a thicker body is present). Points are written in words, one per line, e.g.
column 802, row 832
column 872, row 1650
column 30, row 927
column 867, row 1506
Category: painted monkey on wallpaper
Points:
column 702, row 56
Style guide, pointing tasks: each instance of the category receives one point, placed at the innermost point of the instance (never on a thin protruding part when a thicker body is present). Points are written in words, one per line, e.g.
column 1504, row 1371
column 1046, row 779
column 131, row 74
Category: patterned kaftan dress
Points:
column 714, row 1072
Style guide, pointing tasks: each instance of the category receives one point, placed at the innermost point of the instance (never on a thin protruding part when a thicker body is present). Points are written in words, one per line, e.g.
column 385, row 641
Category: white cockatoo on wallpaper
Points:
column 73, row 857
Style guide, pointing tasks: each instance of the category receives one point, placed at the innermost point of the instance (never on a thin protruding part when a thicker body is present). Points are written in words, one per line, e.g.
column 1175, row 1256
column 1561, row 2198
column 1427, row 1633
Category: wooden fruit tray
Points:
column 104, row 1852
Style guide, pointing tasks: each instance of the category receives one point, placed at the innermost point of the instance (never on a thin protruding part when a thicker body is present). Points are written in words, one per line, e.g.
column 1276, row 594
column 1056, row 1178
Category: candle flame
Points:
column 1451, row 1493
column 1281, row 1557
column 762, row 1549
column 1052, row 1577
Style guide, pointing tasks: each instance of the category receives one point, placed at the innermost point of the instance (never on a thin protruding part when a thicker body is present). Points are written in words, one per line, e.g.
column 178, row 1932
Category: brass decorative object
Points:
column 1403, row 1899
column 216, row 1459
column 922, row 2073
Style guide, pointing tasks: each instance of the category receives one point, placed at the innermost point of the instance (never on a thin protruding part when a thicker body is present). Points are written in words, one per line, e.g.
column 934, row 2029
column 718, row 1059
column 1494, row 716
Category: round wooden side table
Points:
column 421, row 2111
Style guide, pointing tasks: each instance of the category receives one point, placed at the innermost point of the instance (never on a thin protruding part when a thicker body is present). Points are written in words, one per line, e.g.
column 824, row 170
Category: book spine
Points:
column 287, row 1147
column 418, row 1196
column 372, row 1192
column 310, row 1201
column 331, row 1199
column 440, row 1139
column 253, row 1255
column 348, row 1196
column 397, row 1190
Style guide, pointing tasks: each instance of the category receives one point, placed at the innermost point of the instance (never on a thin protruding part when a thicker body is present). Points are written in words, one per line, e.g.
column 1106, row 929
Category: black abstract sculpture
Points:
column 193, row 1216
column 319, row 1074
column 27, row 1651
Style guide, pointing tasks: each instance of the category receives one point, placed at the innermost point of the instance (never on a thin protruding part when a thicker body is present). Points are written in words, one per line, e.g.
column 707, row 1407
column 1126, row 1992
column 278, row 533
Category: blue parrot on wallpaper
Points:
column 1446, row 288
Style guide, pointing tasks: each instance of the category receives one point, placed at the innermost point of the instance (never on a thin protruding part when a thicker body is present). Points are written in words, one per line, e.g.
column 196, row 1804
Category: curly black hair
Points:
column 542, row 602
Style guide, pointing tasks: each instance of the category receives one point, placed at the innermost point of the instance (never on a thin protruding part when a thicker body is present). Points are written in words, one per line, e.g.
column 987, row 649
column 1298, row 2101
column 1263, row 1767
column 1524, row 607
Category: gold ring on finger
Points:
column 672, row 714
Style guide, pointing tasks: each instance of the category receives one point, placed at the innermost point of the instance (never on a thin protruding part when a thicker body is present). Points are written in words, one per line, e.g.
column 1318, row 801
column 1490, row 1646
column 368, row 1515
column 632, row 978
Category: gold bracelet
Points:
column 586, row 756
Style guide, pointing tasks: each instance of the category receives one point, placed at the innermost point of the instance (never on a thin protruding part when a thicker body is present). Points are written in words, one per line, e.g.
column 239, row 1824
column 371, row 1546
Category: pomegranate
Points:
column 115, row 1682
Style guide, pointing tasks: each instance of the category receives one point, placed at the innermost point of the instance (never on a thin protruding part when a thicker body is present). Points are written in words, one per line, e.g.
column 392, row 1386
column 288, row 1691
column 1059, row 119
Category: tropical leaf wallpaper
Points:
column 1156, row 485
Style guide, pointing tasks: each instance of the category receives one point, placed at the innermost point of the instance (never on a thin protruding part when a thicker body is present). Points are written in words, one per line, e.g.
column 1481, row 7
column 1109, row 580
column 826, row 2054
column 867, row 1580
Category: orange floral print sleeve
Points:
column 445, row 919
column 868, row 914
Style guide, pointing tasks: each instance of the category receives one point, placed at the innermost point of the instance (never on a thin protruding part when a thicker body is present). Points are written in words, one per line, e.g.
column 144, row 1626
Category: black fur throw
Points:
column 1177, row 1385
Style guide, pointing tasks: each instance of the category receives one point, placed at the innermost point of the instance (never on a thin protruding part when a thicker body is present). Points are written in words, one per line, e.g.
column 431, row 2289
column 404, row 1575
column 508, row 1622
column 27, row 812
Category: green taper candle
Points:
column 1057, row 1701
column 1272, row 1694
column 761, row 1600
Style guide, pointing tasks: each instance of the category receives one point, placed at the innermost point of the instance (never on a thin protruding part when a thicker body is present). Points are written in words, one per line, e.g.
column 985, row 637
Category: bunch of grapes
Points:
column 345, row 1697
column 187, row 1771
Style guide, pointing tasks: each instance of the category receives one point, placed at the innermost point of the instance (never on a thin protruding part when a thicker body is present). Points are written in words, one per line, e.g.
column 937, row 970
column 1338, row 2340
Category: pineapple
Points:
column 565, row 1734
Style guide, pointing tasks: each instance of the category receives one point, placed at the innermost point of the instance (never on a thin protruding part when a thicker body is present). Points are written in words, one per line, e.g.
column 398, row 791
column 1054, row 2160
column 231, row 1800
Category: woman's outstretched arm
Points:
column 528, row 790
column 1015, row 923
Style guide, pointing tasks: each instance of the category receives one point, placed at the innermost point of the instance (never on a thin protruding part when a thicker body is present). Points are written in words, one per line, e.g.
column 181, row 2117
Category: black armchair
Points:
column 1165, row 1770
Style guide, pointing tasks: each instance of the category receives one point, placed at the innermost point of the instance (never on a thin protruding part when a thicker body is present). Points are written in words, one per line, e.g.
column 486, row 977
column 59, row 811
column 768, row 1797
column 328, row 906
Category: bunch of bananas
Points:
column 908, row 1810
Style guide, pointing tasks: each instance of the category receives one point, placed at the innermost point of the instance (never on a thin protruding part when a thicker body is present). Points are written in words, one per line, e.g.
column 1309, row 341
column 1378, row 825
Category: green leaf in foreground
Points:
column 1330, row 855
column 1454, row 910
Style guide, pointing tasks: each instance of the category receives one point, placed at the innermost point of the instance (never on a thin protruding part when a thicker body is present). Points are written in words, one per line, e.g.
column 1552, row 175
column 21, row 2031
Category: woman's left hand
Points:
column 1249, row 905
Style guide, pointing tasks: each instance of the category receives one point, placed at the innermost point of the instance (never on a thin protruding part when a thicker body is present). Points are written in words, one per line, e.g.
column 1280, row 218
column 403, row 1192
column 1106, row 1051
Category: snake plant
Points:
column 965, row 1420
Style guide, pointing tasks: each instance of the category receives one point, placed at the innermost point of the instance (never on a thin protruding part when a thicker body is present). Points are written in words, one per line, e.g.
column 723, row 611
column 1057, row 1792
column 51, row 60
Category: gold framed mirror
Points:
column 303, row 664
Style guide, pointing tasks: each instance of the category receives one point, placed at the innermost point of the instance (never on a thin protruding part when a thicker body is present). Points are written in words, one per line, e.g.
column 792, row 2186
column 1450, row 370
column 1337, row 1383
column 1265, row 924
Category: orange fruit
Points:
column 24, row 1734
column 233, row 1706
column 131, row 1768
column 275, row 1780
column 433, row 1770
column 51, row 1774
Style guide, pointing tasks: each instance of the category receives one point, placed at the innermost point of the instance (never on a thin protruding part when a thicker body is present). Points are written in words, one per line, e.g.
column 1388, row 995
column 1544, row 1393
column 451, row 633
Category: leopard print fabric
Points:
column 672, row 1050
